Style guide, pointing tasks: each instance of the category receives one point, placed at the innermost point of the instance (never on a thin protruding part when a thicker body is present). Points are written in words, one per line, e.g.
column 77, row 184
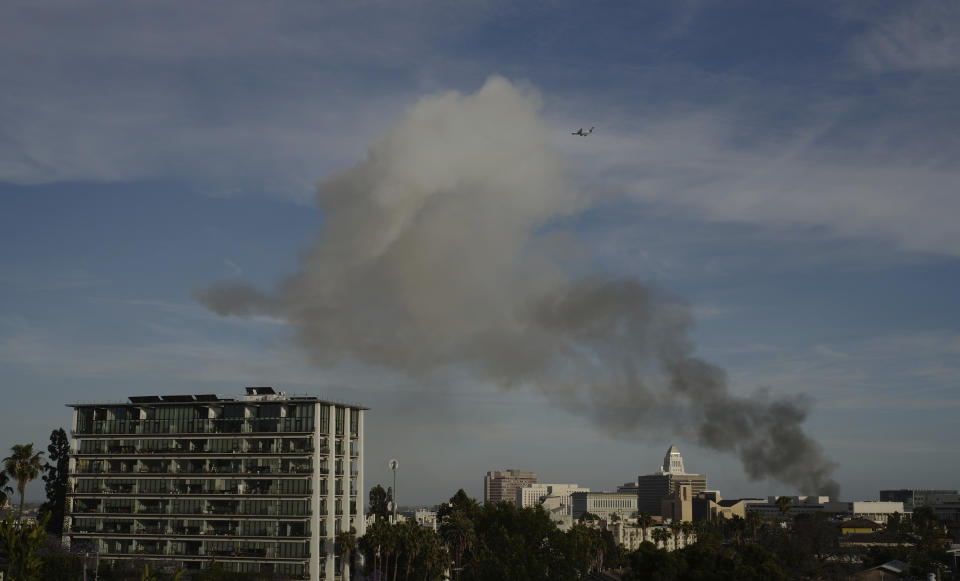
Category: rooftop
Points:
column 252, row 395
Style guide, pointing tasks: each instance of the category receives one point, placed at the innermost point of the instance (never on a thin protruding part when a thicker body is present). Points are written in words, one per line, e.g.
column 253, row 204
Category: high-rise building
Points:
column 260, row 483
column 653, row 488
column 503, row 484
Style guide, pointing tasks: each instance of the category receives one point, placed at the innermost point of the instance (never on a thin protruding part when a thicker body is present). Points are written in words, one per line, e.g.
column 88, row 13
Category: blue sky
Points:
column 787, row 169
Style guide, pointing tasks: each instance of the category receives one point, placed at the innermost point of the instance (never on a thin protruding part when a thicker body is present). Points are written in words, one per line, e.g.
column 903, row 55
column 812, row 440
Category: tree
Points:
column 676, row 528
column 687, row 529
column 379, row 503
column 343, row 545
column 20, row 545
column 459, row 502
column 754, row 521
column 457, row 533
column 56, row 477
column 785, row 503
column 660, row 536
column 644, row 520
column 5, row 491
column 23, row 465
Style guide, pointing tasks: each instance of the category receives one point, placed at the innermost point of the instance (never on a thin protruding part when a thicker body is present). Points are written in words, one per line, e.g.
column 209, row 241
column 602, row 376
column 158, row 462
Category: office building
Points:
column 502, row 485
column 260, row 483
column 653, row 488
column 678, row 507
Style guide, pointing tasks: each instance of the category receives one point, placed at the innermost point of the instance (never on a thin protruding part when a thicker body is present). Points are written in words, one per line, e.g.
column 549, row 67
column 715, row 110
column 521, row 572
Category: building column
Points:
column 361, row 491
column 347, row 477
column 331, row 493
column 316, row 535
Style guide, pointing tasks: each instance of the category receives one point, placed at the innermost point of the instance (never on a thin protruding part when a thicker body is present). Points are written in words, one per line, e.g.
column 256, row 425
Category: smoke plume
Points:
column 440, row 252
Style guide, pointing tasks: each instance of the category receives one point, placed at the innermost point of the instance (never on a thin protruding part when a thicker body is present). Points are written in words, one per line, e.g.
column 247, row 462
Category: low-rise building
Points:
column 533, row 494
column 604, row 504
column 877, row 511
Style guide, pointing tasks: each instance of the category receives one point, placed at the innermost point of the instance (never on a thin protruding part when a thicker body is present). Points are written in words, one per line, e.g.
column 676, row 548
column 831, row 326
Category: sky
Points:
column 786, row 173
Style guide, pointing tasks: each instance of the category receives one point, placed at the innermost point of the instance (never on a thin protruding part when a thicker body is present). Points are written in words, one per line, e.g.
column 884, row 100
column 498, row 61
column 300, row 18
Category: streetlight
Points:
column 393, row 464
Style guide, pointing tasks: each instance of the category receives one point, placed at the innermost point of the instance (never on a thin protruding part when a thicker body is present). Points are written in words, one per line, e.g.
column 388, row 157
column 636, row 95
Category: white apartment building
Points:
column 260, row 483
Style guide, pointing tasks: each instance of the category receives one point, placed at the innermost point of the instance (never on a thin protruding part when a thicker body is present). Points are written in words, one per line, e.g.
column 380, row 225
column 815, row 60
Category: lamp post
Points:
column 393, row 466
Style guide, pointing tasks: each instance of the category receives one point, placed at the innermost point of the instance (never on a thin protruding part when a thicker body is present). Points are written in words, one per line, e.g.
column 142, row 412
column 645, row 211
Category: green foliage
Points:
column 403, row 551
column 5, row 491
column 379, row 503
column 518, row 544
column 20, row 546
column 461, row 503
column 22, row 465
column 216, row 572
column 708, row 559
column 784, row 503
column 59, row 563
column 55, row 479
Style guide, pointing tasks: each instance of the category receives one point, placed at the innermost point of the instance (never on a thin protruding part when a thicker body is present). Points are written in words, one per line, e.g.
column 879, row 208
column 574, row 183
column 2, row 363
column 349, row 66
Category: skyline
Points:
column 786, row 173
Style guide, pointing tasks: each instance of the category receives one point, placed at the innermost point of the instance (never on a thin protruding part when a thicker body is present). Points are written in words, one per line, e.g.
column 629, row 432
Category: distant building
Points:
column 629, row 535
column 679, row 506
column 877, row 511
column 915, row 497
column 653, row 488
column 534, row 494
column 708, row 505
column 426, row 518
column 502, row 485
column 261, row 483
column 604, row 504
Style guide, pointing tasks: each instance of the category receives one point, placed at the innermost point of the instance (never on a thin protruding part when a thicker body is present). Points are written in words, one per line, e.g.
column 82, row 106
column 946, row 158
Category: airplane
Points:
column 582, row 133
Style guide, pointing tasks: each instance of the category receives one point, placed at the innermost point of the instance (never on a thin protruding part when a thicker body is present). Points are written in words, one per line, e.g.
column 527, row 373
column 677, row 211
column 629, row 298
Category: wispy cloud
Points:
column 920, row 36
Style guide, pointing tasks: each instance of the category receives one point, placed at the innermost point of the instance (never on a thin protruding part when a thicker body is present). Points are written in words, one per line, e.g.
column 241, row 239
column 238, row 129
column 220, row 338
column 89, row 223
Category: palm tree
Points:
column 675, row 529
column 5, row 491
column 458, row 534
column 687, row 529
column 755, row 521
column 23, row 466
column 660, row 536
column 644, row 520
column 784, row 503
column 412, row 535
column 343, row 545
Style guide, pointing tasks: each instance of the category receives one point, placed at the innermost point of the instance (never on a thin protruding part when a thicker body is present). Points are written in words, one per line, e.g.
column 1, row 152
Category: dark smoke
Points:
column 437, row 254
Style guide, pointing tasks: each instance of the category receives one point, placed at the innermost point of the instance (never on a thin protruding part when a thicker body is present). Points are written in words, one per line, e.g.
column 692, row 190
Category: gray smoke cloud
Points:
column 441, row 252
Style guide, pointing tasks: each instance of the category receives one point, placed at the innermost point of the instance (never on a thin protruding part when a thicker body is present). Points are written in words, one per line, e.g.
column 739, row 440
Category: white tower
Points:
column 672, row 462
